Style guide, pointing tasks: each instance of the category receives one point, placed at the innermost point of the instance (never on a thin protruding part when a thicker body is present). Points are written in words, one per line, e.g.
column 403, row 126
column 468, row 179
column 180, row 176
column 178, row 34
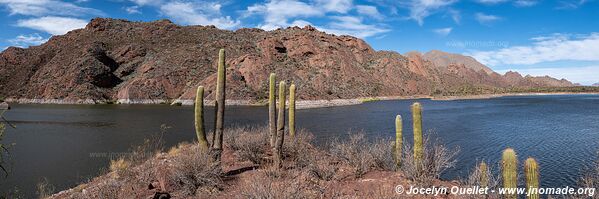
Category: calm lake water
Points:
column 57, row 142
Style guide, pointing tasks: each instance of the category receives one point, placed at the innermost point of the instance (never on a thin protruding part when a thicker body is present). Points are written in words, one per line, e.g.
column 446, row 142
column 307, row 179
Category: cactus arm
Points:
column 417, row 126
column 509, row 171
column 292, row 111
column 531, row 170
column 398, row 140
column 199, row 119
column 272, row 110
column 280, row 127
column 220, row 105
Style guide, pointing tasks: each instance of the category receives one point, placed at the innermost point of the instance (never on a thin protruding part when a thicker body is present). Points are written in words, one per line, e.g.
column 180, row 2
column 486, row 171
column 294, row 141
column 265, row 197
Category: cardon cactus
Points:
column 217, row 144
column 292, row 110
column 398, row 140
column 272, row 127
column 417, row 126
column 278, row 149
column 531, row 170
column 199, row 119
column 509, row 170
column 484, row 178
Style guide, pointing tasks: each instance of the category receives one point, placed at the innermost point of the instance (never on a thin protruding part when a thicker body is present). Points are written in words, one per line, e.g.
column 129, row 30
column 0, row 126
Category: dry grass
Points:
column 437, row 158
column 44, row 189
column 474, row 179
column 196, row 171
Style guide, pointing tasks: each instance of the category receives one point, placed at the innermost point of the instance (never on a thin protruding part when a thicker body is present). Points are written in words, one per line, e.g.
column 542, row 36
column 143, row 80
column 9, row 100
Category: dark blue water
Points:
column 561, row 132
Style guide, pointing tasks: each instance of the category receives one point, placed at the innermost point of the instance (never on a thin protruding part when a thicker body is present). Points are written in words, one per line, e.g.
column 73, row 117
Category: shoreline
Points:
column 300, row 104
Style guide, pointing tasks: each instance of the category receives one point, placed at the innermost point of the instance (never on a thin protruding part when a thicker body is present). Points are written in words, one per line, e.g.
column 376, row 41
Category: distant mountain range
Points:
column 113, row 59
column 596, row 84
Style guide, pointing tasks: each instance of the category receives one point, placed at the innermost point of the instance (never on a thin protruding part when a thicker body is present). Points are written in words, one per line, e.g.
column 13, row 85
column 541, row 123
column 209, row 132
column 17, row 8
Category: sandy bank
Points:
column 300, row 104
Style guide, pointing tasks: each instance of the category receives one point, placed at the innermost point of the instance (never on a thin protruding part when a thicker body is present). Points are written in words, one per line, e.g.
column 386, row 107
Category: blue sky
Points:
column 559, row 38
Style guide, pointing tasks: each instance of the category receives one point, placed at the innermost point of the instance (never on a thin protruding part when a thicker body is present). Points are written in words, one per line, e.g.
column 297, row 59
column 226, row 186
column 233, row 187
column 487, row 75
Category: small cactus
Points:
column 398, row 140
column 292, row 111
column 509, row 171
column 278, row 149
column 417, row 126
column 531, row 170
column 272, row 127
column 484, row 178
column 199, row 119
column 217, row 145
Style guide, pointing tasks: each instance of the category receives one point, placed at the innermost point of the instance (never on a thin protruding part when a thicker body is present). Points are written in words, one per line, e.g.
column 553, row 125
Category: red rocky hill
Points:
column 113, row 59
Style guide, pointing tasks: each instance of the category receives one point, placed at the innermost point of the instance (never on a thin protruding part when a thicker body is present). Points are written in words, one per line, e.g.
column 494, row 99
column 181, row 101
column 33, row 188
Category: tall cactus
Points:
column 199, row 119
column 272, row 110
column 278, row 149
column 217, row 145
column 417, row 126
column 484, row 175
column 398, row 140
column 531, row 170
column 292, row 111
column 509, row 171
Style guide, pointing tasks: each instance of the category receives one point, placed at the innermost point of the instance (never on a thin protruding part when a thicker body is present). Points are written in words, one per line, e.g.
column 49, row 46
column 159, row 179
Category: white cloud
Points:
column 420, row 9
column 133, row 10
column 544, row 49
column 525, row 3
column 455, row 15
column 571, row 4
column 348, row 25
column 278, row 13
column 443, row 31
column 28, row 40
column 285, row 13
column 370, row 11
column 47, row 7
column 486, row 19
column 189, row 13
column 53, row 25
column 585, row 75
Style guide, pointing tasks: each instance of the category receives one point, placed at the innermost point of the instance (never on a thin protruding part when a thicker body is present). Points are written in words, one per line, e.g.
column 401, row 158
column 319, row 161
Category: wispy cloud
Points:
column 47, row 7
column 491, row 1
column 52, row 25
column 525, row 3
column 370, row 11
column 544, row 49
column 133, row 10
column 486, row 19
column 420, row 9
column 443, row 31
column 570, row 4
column 28, row 40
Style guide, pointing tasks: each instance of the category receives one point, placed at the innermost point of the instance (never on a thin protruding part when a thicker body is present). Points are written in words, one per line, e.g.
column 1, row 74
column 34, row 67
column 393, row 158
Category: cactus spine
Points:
column 278, row 149
column 398, row 140
column 199, row 119
column 531, row 170
column 509, row 171
column 417, row 126
column 217, row 145
column 292, row 110
column 272, row 110
column 484, row 178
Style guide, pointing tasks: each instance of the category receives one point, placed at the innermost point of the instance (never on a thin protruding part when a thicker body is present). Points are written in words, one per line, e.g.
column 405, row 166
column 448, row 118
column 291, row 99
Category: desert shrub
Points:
column 354, row 152
column 323, row 168
column 299, row 150
column 262, row 186
column 44, row 189
column 249, row 143
column 474, row 179
column 382, row 154
column 590, row 180
column 437, row 158
column 195, row 170
column 365, row 156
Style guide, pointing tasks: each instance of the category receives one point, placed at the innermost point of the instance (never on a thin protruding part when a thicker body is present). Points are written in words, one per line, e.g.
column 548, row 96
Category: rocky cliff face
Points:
column 120, row 60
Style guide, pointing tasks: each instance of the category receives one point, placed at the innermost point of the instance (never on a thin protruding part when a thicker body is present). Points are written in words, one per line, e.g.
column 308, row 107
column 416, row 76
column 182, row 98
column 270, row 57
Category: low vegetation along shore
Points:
column 276, row 161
